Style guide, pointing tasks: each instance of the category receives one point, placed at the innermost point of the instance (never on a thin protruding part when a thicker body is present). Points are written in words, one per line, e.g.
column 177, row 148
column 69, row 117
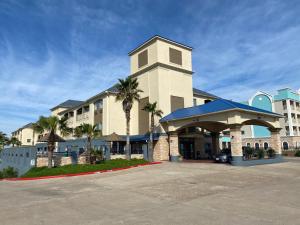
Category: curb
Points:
column 77, row 174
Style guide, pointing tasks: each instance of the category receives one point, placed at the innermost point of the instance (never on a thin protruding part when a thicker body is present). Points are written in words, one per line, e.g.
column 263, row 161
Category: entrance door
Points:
column 187, row 148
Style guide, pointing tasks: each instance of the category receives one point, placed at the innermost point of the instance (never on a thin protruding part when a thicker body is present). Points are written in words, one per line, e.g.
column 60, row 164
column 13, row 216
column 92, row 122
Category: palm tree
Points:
column 35, row 127
column 14, row 141
column 3, row 140
column 128, row 92
column 90, row 132
column 152, row 109
column 52, row 124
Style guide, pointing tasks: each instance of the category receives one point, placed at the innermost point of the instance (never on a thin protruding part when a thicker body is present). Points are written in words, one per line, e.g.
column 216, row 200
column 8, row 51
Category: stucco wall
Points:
column 21, row 158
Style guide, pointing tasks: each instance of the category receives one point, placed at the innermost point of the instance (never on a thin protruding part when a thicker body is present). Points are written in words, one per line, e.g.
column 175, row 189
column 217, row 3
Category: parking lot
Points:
column 169, row 193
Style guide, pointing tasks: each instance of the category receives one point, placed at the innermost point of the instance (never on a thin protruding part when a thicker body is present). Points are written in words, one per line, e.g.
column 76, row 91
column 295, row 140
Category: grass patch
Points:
column 69, row 169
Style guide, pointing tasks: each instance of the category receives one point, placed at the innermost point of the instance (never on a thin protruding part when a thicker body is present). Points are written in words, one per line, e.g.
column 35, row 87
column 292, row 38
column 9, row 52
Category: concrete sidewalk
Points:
column 169, row 193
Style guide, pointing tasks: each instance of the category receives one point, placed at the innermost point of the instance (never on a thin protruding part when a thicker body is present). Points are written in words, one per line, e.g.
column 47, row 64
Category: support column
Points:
column 174, row 146
column 236, row 145
column 215, row 143
column 275, row 140
column 199, row 147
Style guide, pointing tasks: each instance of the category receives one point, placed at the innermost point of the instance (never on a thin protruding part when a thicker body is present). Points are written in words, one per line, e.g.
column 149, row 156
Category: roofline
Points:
column 210, row 96
column 86, row 102
column 58, row 106
column 227, row 110
column 157, row 37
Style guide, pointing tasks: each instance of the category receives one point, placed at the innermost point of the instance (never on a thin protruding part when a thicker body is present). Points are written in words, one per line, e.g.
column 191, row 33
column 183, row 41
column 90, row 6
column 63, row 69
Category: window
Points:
column 175, row 56
column 285, row 145
column 137, row 148
column 176, row 103
column 86, row 108
column 79, row 111
column 143, row 58
column 98, row 104
column 207, row 101
column 117, row 148
column 194, row 102
column 256, row 145
column 98, row 126
column 266, row 145
column 248, row 145
column 28, row 140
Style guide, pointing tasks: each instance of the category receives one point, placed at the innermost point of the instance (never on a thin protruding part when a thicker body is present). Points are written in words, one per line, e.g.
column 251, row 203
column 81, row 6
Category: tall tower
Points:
column 164, row 72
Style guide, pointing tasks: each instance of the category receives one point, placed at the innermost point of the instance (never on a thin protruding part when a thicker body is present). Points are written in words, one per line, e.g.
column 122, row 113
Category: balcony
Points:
column 70, row 122
column 98, row 111
column 82, row 117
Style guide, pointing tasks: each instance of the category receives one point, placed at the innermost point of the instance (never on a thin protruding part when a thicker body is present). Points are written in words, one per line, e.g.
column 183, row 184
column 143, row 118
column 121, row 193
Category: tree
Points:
column 152, row 109
column 14, row 141
column 3, row 140
column 90, row 132
column 128, row 92
column 52, row 124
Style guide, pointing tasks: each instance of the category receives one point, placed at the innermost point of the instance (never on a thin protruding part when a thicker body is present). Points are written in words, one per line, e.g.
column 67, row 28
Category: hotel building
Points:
column 192, row 119
column 287, row 103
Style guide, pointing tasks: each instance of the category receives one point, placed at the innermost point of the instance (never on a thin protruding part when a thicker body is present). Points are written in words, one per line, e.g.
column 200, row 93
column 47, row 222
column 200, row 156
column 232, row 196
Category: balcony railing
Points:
column 81, row 117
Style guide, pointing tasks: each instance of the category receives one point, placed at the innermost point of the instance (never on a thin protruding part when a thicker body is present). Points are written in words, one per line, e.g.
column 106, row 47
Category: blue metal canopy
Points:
column 215, row 106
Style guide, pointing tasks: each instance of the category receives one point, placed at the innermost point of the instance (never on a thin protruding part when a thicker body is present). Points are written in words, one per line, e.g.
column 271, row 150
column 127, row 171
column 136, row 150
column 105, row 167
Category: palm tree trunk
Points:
column 151, row 139
column 50, row 154
column 33, row 137
column 51, row 146
column 89, row 148
column 128, row 153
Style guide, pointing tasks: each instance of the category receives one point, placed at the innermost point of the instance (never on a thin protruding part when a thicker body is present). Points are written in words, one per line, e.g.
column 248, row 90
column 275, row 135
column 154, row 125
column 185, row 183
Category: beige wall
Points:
column 158, row 84
column 26, row 134
column 293, row 142
column 200, row 100
column 159, row 52
column 114, row 117
column 226, row 118
column 56, row 111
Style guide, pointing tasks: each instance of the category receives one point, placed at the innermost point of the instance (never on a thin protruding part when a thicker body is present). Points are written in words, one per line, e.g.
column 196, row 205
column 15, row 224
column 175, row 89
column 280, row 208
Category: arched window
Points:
column 256, row 145
column 248, row 145
column 285, row 145
column 266, row 145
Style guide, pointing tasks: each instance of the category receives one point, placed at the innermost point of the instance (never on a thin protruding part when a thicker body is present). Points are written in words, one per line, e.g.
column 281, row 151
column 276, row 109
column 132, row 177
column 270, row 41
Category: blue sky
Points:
column 51, row 51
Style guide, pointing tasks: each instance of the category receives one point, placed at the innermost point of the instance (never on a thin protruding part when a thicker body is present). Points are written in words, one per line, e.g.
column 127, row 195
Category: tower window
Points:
column 143, row 58
column 175, row 56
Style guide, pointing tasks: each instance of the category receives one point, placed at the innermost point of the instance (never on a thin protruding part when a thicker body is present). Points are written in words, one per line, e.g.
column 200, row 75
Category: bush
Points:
column 97, row 156
column 260, row 153
column 80, row 168
column 249, row 152
column 1, row 175
column 297, row 153
column 9, row 172
column 271, row 152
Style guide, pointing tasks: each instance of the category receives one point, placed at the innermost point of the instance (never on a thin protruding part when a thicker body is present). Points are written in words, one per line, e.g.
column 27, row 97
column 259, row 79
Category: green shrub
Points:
column 80, row 168
column 9, row 172
column 249, row 152
column 271, row 152
column 260, row 153
column 1, row 175
column 297, row 153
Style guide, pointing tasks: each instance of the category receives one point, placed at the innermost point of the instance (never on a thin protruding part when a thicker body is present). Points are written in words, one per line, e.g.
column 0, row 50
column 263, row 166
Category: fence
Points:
column 23, row 158
column 20, row 158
